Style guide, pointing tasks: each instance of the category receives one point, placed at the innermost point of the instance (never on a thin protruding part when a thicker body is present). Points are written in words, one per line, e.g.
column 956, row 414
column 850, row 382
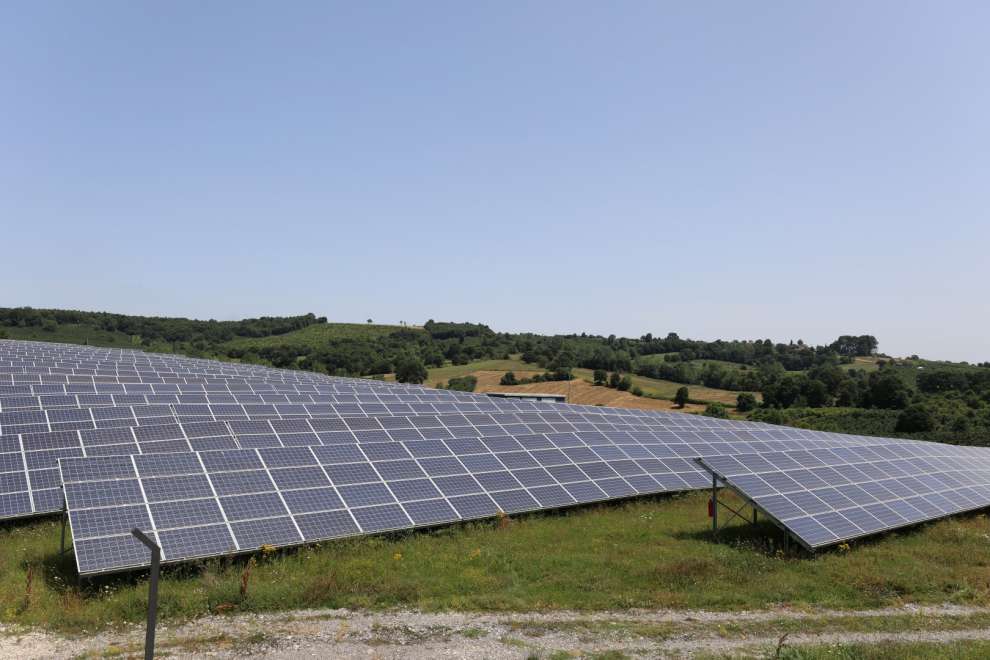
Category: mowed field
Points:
column 578, row 391
column 668, row 388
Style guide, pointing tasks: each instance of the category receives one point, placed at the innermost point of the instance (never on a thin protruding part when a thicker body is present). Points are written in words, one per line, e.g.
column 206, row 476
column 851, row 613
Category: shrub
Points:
column 716, row 410
column 560, row 373
column 614, row 379
column 682, row 397
column 508, row 378
column 600, row 376
column 462, row 384
column 745, row 402
column 625, row 383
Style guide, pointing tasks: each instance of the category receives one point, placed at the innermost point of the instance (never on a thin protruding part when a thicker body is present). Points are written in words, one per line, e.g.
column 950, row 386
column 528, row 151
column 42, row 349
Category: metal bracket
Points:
column 156, row 557
column 738, row 513
column 65, row 519
column 715, row 504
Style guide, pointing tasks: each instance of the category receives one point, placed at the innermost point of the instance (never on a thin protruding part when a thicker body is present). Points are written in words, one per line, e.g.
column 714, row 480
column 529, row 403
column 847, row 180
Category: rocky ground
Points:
column 405, row 634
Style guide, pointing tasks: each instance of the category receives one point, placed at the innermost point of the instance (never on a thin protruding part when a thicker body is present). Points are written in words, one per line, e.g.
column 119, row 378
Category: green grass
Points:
column 645, row 553
column 666, row 389
column 867, row 364
column 317, row 335
column 587, row 630
column 72, row 334
column 445, row 373
column 960, row 650
column 659, row 358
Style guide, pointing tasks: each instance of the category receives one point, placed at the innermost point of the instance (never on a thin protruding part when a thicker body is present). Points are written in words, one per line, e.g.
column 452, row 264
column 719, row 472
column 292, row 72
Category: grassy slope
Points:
column 445, row 373
column 660, row 388
column 643, row 553
column 658, row 358
column 318, row 335
column 668, row 388
column 581, row 392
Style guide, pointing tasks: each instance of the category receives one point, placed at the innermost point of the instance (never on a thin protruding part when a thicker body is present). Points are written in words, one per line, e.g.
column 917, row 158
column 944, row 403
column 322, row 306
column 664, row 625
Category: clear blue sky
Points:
column 735, row 170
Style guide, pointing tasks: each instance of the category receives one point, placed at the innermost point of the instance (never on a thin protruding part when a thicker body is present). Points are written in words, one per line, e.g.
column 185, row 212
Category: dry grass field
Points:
column 577, row 391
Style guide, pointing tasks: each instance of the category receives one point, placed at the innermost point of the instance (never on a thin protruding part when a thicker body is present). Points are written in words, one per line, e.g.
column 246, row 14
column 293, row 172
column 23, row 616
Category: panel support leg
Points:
column 156, row 557
column 65, row 518
column 714, row 504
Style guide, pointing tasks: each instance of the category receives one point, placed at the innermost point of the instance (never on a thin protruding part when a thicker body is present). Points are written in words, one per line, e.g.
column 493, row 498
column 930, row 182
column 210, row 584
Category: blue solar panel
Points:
column 829, row 495
column 427, row 457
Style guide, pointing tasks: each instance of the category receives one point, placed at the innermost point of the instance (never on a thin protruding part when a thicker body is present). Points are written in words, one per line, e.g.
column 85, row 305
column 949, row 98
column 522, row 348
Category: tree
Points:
column 852, row 346
column 915, row 419
column 816, row 394
column 784, row 392
column 681, row 397
column 410, row 370
column 370, row 321
column 745, row 402
column 716, row 410
column 887, row 390
column 508, row 378
column 600, row 376
column 624, row 384
column 614, row 379
column 849, row 394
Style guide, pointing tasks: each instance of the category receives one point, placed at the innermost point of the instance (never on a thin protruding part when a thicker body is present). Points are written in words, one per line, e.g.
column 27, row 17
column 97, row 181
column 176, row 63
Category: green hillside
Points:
column 319, row 335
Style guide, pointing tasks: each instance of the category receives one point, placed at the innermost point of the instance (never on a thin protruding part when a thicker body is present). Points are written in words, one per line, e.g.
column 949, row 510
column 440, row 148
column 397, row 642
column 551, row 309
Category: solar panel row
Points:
column 28, row 462
column 219, row 502
column 284, row 457
column 829, row 495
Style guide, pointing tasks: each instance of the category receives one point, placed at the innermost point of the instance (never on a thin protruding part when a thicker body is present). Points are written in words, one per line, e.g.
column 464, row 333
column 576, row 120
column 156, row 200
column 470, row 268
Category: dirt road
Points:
column 404, row 634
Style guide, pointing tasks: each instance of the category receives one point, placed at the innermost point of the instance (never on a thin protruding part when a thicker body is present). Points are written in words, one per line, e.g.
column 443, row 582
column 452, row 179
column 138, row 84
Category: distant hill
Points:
column 844, row 385
column 318, row 335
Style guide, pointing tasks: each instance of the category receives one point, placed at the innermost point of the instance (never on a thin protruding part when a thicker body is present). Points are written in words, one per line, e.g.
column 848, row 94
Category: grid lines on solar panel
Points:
column 825, row 496
column 381, row 437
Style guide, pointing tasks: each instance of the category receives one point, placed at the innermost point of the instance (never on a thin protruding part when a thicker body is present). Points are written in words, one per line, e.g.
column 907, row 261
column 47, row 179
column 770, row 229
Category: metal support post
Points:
column 65, row 516
column 156, row 557
column 714, row 504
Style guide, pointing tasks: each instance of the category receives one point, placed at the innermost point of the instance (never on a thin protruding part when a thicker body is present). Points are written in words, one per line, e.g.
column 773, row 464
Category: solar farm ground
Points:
column 630, row 578
column 649, row 554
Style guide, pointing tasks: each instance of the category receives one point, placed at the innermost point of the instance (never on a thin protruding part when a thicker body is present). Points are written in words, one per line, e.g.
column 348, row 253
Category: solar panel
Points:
column 212, row 458
column 826, row 496
column 282, row 495
column 28, row 461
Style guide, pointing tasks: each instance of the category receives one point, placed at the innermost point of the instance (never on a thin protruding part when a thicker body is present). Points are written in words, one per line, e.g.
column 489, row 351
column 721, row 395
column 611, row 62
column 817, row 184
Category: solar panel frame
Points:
column 414, row 455
column 839, row 502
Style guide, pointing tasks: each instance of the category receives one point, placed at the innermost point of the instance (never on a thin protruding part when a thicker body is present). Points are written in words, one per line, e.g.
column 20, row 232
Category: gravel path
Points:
column 405, row 634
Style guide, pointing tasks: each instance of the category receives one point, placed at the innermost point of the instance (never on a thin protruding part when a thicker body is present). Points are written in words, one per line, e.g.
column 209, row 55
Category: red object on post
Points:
column 711, row 508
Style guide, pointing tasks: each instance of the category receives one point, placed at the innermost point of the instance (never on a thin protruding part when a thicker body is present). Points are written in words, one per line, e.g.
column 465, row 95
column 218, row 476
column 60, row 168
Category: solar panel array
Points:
column 31, row 459
column 371, row 475
column 212, row 458
column 829, row 495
